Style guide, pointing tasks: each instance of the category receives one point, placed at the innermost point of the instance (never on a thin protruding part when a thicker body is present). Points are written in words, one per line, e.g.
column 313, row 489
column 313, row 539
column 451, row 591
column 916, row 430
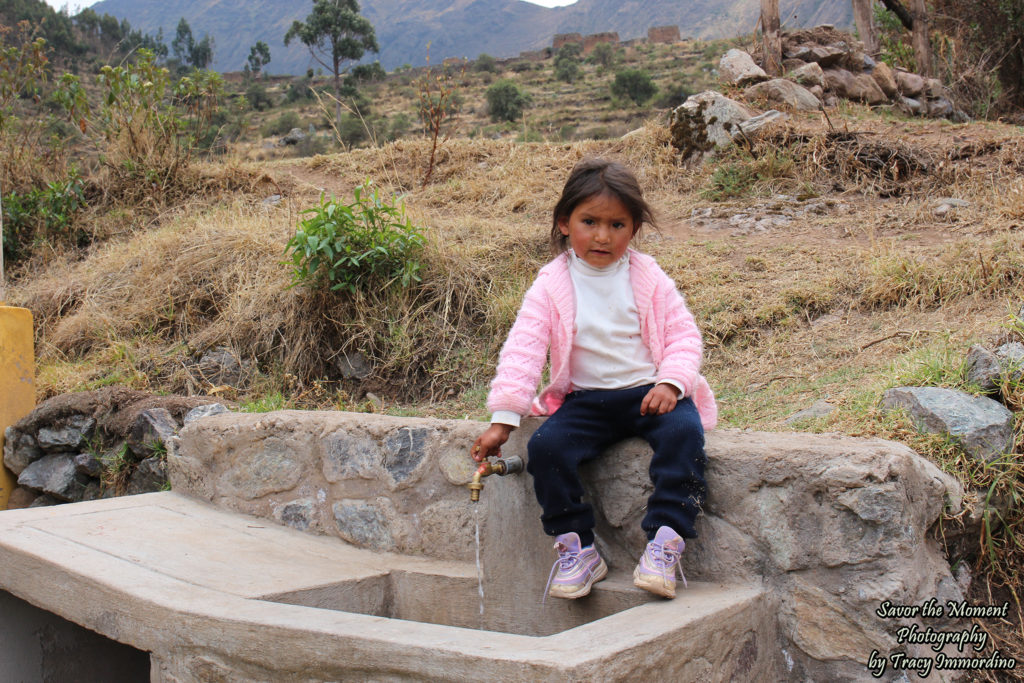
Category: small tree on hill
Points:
column 567, row 63
column 335, row 33
column 635, row 84
column 183, row 42
column 506, row 101
column 259, row 57
column 603, row 54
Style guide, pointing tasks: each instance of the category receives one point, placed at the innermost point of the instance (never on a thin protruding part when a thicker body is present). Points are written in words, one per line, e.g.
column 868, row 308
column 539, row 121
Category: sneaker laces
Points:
column 567, row 559
column 662, row 558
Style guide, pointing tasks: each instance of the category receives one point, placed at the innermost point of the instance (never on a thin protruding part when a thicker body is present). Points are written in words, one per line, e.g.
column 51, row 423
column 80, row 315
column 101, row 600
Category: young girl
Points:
column 625, row 361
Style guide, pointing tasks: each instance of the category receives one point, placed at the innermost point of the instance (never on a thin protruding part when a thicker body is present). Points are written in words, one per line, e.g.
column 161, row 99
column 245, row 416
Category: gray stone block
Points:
column 153, row 429
column 983, row 368
column 89, row 465
column 209, row 410
column 404, row 450
column 364, row 524
column 350, row 456
column 1011, row 361
column 818, row 409
column 55, row 475
column 20, row 450
column 150, row 476
column 66, row 435
column 297, row 514
column 983, row 427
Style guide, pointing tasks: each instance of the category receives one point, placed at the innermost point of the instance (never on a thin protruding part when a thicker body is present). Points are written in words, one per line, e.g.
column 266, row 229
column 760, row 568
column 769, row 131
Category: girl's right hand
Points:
column 489, row 443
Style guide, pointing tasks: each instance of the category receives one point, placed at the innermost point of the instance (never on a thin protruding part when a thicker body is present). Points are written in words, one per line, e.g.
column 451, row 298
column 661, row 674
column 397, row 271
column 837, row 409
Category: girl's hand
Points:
column 489, row 443
column 659, row 400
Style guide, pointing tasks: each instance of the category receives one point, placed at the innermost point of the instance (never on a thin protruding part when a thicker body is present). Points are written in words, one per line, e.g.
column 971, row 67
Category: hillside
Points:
column 465, row 28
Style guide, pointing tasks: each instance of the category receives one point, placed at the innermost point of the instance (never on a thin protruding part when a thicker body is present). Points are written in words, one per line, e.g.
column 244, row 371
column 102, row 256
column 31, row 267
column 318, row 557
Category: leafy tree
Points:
column 635, row 84
column 506, row 101
column 603, row 54
column 567, row 63
column 201, row 54
column 259, row 57
column 335, row 33
column 183, row 42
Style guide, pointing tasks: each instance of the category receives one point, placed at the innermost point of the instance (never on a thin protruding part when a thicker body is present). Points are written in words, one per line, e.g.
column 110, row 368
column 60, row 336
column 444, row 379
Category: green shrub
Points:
column 367, row 73
column 298, row 90
column 257, row 97
column 520, row 67
column 486, row 63
column 351, row 247
column 634, row 84
column 43, row 214
column 603, row 54
column 506, row 101
column 567, row 63
column 282, row 124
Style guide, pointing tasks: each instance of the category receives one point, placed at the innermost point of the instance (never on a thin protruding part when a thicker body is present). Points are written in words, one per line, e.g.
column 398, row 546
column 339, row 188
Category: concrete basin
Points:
column 194, row 593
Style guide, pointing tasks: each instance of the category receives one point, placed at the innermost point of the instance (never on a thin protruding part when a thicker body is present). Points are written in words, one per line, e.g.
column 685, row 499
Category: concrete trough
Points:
column 213, row 595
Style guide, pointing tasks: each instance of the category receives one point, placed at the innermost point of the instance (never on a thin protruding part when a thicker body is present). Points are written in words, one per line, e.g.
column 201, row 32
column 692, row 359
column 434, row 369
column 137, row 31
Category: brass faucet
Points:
column 499, row 466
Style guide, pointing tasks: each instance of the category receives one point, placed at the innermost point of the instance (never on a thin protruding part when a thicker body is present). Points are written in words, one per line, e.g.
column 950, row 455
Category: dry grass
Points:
column 872, row 291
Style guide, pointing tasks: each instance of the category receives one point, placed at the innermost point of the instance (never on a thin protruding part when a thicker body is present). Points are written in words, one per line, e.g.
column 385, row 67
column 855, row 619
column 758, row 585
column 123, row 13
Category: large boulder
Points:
column 786, row 93
column 809, row 75
column 860, row 87
column 710, row 120
column 738, row 68
column 910, row 84
column 885, row 79
column 983, row 427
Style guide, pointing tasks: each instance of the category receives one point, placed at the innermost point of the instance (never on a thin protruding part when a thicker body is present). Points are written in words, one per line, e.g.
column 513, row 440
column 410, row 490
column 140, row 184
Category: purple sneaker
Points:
column 576, row 569
column 660, row 562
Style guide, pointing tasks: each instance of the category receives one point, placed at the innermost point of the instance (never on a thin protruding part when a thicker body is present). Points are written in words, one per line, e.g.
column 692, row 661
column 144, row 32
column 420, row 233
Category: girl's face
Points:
column 599, row 229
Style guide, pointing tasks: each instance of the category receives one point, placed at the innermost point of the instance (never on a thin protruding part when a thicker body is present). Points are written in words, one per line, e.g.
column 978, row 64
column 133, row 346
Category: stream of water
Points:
column 479, row 567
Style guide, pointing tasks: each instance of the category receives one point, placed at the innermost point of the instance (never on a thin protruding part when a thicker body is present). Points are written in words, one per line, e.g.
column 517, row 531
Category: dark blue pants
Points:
column 591, row 421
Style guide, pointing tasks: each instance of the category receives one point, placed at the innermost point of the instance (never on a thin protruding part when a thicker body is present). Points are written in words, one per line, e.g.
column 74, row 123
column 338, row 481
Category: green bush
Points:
column 603, row 54
column 299, row 89
column 43, row 214
column 486, row 63
column 634, row 84
column 257, row 97
column 567, row 63
column 367, row 73
column 282, row 124
column 351, row 247
column 506, row 101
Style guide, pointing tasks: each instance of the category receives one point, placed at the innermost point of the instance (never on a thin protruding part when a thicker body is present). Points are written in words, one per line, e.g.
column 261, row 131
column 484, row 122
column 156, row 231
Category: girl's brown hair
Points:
column 592, row 177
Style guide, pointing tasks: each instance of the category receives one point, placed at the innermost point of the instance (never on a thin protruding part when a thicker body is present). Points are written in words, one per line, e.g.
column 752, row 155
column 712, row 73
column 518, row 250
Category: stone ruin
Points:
column 823, row 65
column 663, row 34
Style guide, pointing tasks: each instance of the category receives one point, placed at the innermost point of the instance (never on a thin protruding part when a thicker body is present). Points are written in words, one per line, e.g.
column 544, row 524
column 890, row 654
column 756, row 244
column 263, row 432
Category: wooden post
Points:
column 772, row 39
column 864, row 18
column 922, row 47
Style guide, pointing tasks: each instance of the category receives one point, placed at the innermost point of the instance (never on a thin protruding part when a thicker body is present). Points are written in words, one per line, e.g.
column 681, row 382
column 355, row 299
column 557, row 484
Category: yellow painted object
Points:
column 17, row 380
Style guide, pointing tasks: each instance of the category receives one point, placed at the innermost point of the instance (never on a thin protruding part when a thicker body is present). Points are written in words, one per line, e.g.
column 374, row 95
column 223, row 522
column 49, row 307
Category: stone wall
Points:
column 832, row 525
column 595, row 39
column 663, row 34
column 562, row 39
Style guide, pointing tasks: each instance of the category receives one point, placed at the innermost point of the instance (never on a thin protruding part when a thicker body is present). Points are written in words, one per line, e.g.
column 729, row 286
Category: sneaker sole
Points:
column 600, row 573
column 654, row 584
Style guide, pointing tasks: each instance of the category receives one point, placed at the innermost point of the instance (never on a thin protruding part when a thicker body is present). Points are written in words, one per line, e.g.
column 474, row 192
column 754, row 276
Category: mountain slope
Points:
column 461, row 28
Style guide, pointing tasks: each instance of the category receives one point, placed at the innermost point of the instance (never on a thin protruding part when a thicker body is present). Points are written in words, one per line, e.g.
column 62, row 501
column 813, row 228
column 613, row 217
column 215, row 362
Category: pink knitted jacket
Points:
column 547, row 318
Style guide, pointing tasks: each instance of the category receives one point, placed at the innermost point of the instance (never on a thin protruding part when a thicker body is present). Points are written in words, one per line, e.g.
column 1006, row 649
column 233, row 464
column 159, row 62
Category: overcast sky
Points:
column 75, row 5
